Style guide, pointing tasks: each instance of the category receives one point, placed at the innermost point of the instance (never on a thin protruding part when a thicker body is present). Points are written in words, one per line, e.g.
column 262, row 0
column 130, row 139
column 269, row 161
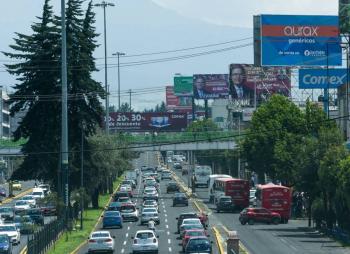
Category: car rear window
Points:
column 128, row 208
column 96, row 235
column 195, row 233
column 144, row 235
column 149, row 210
column 111, row 214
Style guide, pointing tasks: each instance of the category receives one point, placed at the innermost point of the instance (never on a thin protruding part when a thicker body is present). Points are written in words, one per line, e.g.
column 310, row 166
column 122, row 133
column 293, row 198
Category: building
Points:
column 5, row 115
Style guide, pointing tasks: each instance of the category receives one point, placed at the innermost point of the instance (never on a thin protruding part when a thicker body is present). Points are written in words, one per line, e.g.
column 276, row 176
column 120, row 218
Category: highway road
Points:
column 168, row 242
column 292, row 238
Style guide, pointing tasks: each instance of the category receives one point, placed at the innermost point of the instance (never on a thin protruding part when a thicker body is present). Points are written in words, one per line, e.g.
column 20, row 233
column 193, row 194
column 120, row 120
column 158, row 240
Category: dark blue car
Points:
column 112, row 219
column 5, row 244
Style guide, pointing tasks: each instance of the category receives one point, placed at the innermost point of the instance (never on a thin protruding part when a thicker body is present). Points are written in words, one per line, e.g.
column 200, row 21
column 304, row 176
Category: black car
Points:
column 5, row 244
column 36, row 215
column 2, row 192
column 180, row 199
column 177, row 166
column 183, row 216
column 225, row 204
column 172, row 187
column 120, row 194
column 7, row 213
column 49, row 209
column 199, row 244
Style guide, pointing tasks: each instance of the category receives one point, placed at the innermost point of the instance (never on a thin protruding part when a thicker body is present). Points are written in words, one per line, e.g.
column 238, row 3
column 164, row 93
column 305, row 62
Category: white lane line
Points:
column 166, row 226
column 168, row 232
column 165, row 215
column 164, row 210
column 126, row 235
column 166, row 220
column 128, row 227
column 123, row 250
column 169, row 241
column 124, row 243
column 169, row 249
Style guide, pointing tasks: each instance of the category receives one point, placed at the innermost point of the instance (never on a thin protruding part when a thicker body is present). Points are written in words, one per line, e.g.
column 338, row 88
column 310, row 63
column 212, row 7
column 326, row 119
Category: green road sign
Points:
column 183, row 86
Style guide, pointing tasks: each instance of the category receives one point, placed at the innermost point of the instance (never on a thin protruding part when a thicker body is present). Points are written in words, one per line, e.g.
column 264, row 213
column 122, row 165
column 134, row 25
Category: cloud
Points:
column 238, row 13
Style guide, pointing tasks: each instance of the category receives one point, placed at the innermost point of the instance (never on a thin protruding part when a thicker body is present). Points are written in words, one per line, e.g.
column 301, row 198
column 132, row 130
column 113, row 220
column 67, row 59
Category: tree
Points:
column 157, row 108
column 125, row 107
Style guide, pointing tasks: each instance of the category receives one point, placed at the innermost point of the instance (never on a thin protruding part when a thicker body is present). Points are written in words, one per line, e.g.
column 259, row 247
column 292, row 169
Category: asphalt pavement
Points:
column 292, row 238
column 168, row 239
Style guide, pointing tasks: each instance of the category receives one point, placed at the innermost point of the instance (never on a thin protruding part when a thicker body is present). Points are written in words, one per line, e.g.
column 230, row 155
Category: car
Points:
column 49, row 209
column 225, row 203
column 21, row 205
column 184, row 171
column 114, row 206
column 30, row 199
column 258, row 214
column 24, row 223
column 180, row 199
column 129, row 182
column 101, row 241
column 36, row 215
column 150, row 203
column 150, row 182
column 144, row 241
column 16, row 185
column 112, row 219
column 46, row 188
column 172, row 187
column 155, row 176
column 2, row 192
column 38, row 193
column 183, row 216
column 252, row 197
column 199, row 244
column 129, row 212
column 5, row 244
column 150, row 193
column 166, row 174
column 177, row 165
column 124, row 200
column 120, row 194
column 189, row 221
column 126, row 188
column 149, row 213
column 12, row 232
column 191, row 233
column 187, row 227
column 7, row 213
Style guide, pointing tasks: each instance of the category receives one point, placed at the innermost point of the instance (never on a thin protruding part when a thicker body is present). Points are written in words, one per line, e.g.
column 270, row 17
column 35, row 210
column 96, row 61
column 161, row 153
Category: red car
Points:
column 191, row 233
column 258, row 214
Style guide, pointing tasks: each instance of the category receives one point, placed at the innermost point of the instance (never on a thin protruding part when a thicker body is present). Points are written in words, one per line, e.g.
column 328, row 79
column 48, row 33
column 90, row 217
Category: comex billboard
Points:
column 294, row 40
column 154, row 121
column 246, row 79
column 322, row 78
column 210, row 86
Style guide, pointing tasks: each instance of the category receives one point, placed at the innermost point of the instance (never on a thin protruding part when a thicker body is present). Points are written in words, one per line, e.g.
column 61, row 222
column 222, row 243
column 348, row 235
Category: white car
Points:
column 149, row 213
column 101, row 241
column 12, row 232
column 150, row 204
column 45, row 187
column 144, row 241
column 38, row 193
column 22, row 205
column 150, row 194
column 30, row 199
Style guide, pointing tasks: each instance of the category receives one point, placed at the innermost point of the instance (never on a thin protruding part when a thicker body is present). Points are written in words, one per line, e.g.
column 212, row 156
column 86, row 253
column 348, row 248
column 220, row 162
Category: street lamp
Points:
column 118, row 54
column 105, row 4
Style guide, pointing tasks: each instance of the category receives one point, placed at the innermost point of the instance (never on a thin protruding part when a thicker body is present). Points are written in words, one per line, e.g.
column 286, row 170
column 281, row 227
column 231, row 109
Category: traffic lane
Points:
column 26, row 185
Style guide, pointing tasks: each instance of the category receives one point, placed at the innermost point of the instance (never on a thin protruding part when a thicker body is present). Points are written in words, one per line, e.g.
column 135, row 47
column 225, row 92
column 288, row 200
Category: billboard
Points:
column 344, row 16
column 210, row 86
column 183, row 86
column 246, row 80
column 294, row 40
column 174, row 102
column 154, row 121
column 322, row 78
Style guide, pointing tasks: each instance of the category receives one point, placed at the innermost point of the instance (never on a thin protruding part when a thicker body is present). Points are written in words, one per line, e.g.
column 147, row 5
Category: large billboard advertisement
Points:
column 247, row 79
column 322, row 78
column 174, row 102
column 293, row 40
column 344, row 16
column 154, row 121
column 210, row 86
column 183, row 85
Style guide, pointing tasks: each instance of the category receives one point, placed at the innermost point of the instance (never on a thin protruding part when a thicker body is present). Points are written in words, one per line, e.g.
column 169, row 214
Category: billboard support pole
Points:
column 255, row 93
column 325, row 91
column 206, row 109
column 193, row 109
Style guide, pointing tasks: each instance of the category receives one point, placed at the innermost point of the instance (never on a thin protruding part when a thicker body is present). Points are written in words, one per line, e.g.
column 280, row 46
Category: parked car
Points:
column 7, row 213
column 148, row 214
column 2, row 192
column 112, row 219
column 144, row 241
column 5, row 244
column 172, row 187
column 191, row 233
column 16, row 185
column 180, row 199
column 199, row 244
column 224, row 203
column 184, row 216
column 101, row 241
column 258, row 214
column 129, row 212
column 12, row 232
column 24, row 223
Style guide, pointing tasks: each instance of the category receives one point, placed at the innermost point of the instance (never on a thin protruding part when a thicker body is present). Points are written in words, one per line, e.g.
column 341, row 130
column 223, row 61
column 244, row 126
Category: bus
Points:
column 275, row 198
column 201, row 175
column 211, row 183
column 237, row 189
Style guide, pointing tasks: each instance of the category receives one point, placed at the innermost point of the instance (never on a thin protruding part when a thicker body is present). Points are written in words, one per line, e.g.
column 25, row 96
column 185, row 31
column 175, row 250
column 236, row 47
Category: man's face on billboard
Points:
column 200, row 84
column 237, row 76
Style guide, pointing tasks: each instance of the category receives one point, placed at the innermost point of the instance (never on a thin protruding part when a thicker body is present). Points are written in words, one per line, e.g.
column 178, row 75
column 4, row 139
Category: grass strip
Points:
column 68, row 241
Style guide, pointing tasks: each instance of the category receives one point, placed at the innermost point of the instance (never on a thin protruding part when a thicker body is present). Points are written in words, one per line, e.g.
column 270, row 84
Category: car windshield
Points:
column 7, row 228
column 198, row 245
column 195, row 233
column 97, row 235
column 189, row 221
column 193, row 226
column 37, row 193
column 228, row 199
column 112, row 214
column 149, row 210
column 144, row 235
column 149, row 190
column 22, row 202
column 5, row 209
column 28, row 198
column 149, row 203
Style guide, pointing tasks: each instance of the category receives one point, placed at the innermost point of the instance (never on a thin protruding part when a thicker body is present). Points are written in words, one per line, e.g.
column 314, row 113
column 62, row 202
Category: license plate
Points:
column 99, row 241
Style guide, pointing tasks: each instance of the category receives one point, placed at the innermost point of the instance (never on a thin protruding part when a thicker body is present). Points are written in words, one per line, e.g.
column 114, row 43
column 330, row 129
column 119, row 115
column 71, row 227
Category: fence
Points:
column 41, row 240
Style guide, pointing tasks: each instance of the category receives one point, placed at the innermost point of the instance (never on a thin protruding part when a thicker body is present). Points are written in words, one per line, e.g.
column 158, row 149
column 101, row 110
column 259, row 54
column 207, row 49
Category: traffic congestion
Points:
column 150, row 214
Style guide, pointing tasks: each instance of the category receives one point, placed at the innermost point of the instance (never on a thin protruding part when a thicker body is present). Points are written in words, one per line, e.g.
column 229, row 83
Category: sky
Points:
column 143, row 26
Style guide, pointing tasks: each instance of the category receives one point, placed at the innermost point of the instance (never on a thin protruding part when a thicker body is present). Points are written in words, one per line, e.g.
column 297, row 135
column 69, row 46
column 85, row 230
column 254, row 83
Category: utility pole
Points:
column 104, row 4
column 130, row 99
column 82, row 177
column 64, row 123
column 118, row 54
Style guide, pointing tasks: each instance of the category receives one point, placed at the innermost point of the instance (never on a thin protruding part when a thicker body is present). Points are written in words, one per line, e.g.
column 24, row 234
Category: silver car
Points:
column 101, row 241
column 149, row 214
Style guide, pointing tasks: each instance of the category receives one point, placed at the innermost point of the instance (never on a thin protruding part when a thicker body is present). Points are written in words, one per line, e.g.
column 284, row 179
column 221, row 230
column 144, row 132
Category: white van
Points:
column 38, row 193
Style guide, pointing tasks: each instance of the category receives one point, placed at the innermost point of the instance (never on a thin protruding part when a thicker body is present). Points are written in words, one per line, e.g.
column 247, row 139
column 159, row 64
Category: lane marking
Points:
column 166, row 226
column 169, row 241
column 165, row 215
column 168, row 233
column 127, row 235
column 169, row 249
column 124, row 243
column 166, row 220
column 123, row 250
column 128, row 227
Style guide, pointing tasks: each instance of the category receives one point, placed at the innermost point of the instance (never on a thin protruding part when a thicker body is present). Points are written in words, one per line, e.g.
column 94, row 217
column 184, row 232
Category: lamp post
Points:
column 105, row 4
column 118, row 54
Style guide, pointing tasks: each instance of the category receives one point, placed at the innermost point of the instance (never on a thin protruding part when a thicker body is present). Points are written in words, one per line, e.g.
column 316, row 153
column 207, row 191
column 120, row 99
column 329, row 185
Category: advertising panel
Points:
column 246, row 79
column 174, row 102
column 154, row 121
column 344, row 16
column 322, row 78
column 210, row 86
column 294, row 40
column 183, row 86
